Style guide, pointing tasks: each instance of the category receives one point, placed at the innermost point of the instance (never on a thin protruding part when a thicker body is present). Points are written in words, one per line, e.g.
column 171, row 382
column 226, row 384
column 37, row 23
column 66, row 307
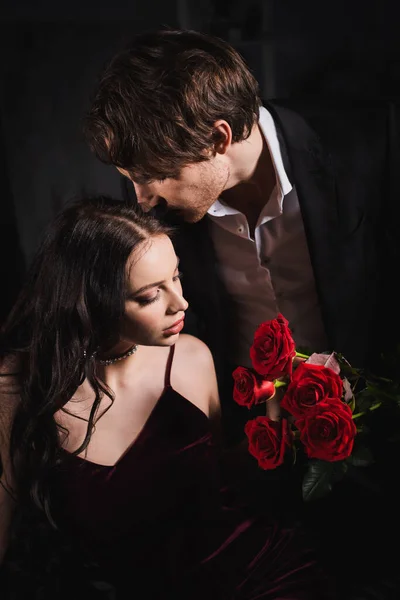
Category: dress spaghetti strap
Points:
column 167, row 380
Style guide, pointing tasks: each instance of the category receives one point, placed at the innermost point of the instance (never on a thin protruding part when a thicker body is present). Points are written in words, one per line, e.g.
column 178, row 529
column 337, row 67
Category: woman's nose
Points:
column 178, row 303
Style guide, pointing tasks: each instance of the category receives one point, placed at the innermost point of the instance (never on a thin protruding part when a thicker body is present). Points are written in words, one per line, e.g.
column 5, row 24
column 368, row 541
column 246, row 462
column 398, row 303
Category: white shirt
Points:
column 273, row 272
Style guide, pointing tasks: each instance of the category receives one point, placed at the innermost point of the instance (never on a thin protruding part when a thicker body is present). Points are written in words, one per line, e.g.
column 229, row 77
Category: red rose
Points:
column 268, row 441
column 264, row 390
column 244, row 384
column 273, row 349
column 310, row 385
column 249, row 389
column 328, row 430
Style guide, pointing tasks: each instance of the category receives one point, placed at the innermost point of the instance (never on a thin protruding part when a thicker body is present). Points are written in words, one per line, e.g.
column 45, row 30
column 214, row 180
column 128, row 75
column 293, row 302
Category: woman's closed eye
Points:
column 146, row 300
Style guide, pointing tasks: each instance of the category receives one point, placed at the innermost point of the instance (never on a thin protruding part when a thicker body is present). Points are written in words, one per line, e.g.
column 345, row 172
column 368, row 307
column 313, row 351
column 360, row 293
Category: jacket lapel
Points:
column 310, row 170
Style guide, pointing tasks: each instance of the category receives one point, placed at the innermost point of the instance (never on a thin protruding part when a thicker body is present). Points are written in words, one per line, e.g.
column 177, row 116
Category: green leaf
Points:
column 352, row 404
column 361, row 456
column 320, row 477
column 381, row 394
column 364, row 400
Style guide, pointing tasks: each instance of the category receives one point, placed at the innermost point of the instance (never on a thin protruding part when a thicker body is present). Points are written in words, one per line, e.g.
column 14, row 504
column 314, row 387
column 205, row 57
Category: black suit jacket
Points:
column 345, row 184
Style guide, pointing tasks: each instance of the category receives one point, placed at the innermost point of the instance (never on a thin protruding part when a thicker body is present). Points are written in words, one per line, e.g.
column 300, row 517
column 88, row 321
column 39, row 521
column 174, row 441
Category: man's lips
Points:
column 161, row 208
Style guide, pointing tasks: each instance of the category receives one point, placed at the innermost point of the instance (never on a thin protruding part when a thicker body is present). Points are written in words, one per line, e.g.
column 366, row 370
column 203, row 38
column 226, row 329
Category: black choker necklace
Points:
column 110, row 361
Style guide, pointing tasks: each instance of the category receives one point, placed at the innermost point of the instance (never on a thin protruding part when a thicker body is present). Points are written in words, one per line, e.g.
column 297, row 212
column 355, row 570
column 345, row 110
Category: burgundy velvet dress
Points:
column 159, row 524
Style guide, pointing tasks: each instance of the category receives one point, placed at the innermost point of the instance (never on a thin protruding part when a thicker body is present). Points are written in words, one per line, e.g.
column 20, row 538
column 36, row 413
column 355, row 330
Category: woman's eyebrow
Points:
column 151, row 285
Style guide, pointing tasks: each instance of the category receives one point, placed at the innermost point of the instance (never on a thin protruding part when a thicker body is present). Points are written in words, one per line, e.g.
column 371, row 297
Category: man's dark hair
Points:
column 157, row 101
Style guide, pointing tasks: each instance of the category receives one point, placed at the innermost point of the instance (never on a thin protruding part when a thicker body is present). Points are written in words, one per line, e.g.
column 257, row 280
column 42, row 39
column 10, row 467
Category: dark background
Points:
column 308, row 51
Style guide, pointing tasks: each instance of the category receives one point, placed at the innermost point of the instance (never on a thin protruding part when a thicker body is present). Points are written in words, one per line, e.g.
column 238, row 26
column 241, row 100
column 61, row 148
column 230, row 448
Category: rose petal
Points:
column 325, row 360
column 348, row 392
column 264, row 390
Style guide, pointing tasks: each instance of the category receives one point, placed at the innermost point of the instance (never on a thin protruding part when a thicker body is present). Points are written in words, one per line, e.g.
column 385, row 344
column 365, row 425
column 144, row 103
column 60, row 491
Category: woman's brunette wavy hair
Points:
column 69, row 308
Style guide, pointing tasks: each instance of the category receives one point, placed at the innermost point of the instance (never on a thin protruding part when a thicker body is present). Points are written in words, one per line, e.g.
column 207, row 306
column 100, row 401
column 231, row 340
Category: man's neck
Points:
column 250, row 195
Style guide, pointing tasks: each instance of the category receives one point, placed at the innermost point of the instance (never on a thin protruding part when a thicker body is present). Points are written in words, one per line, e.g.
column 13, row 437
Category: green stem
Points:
column 361, row 414
column 300, row 355
column 353, row 387
column 278, row 383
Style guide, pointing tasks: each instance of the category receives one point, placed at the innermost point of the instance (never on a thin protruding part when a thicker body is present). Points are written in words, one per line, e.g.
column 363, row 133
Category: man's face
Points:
column 191, row 194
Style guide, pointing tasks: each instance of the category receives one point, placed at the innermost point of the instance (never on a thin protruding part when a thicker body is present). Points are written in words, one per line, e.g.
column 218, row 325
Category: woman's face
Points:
column 154, row 305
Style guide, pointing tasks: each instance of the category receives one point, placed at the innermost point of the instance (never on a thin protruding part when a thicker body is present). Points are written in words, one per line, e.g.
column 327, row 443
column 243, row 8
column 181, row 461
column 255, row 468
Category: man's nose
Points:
column 145, row 197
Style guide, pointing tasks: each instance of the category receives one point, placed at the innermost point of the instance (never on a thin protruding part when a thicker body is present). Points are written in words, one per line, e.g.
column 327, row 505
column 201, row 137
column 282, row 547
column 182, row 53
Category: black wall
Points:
column 52, row 53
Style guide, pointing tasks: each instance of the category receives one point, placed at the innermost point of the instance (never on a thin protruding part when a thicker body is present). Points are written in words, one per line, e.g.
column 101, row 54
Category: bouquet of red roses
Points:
column 322, row 401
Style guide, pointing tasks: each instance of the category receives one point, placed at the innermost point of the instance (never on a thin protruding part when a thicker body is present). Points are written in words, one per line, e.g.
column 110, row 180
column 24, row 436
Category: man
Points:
column 263, row 224
column 267, row 221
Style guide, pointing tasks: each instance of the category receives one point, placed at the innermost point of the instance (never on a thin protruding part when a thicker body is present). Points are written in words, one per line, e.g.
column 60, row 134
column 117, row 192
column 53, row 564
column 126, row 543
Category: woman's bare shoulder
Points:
column 194, row 374
column 9, row 399
column 193, row 348
column 9, row 391
column 9, row 366
column 194, row 361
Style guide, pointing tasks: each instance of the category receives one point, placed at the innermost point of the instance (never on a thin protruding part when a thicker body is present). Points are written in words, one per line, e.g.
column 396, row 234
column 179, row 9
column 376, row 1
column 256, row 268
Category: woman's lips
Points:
column 176, row 328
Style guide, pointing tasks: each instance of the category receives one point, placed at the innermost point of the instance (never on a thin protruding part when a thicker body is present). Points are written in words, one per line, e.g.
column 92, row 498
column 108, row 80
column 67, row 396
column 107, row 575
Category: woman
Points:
column 107, row 413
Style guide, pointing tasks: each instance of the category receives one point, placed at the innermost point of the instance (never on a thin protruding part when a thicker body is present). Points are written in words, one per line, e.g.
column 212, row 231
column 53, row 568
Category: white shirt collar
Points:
column 268, row 129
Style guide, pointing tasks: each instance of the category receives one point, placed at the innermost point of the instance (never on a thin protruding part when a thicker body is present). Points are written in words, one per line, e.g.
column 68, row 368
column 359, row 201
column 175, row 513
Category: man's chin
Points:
column 179, row 214
column 192, row 218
